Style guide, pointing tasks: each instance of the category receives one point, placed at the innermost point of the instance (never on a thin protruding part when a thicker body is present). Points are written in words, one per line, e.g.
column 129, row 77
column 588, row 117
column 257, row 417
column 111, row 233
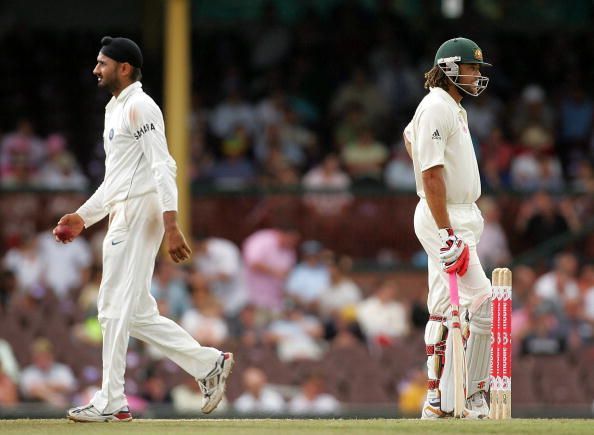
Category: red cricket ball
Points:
column 63, row 232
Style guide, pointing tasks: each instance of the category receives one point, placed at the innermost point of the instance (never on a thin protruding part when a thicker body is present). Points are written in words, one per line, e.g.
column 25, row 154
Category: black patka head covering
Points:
column 122, row 50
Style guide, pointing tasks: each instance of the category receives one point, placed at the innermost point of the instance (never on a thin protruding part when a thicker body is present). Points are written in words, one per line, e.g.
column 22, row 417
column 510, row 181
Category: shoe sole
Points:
column 227, row 369
column 103, row 420
column 108, row 420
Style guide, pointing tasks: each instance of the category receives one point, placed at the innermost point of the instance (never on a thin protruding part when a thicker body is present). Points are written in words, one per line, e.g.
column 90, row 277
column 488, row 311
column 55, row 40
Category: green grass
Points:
column 299, row 427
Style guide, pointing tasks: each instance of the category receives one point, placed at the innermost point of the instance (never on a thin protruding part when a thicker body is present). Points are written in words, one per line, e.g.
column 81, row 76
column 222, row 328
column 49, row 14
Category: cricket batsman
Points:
column 448, row 224
column 139, row 195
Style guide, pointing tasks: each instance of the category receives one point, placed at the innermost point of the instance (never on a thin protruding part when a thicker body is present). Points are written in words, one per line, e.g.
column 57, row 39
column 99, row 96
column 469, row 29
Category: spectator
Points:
column 483, row 115
column 155, row 390
column 187, row 398
column 342, row 292
column 8, row 363
column 364, row 158
column 296, row 335
column 67, row 267
column 21, row 155
column 268, row 256
column 205, row 320
column 399, row 173
column 169, row 289
column 559, row 286
column 249, row 327
column 8, row 389
column 218, row 261
column 60, row 170
column 235, row 170
column 360, row 90
column 576, row 113
column 412, row 391
column 46, row 380
column 26, row 262
column 493, row 249
column 327, row 176
column 231, row 113
column 536, row 167
column 258, row 397
column 313, row 399
column 532, row 110
column 310, row 277
column 539, row 219
column 382, row 316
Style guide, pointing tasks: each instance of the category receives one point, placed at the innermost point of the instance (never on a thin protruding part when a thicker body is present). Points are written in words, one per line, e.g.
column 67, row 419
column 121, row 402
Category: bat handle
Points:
column 454, row 297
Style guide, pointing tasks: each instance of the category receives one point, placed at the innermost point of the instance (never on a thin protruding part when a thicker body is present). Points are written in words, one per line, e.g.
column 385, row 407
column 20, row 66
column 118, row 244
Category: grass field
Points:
column 299, row 427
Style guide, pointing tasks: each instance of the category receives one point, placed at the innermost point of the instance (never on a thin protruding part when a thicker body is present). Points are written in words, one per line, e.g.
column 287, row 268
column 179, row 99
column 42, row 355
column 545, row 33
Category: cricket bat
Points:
column 457, row 350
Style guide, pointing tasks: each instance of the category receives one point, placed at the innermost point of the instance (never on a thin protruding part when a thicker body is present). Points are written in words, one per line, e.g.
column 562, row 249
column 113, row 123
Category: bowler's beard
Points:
column 111, row 85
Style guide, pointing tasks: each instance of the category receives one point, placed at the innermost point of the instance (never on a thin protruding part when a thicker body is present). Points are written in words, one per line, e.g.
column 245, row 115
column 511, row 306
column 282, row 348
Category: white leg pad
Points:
column 437, row 368
column 478, row 349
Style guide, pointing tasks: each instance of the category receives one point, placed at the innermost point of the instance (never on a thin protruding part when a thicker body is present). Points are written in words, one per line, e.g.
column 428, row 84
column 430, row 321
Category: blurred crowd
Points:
column 268, row 109
column 319, row 103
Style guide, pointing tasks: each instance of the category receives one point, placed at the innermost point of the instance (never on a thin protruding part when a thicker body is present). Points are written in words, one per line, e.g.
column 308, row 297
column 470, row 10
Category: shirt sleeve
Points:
column 92, row 211
column 148, row 129
column 433, row 129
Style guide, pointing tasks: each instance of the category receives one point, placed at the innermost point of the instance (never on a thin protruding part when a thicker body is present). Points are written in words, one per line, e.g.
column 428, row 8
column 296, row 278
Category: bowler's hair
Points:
column 136, row 74
column 436, row 78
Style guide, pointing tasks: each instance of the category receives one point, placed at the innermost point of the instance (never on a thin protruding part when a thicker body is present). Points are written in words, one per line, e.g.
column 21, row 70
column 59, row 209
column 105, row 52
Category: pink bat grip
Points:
column 454, row 297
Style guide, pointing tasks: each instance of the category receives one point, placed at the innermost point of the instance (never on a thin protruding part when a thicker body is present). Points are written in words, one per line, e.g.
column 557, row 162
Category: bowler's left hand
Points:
column 176, row 245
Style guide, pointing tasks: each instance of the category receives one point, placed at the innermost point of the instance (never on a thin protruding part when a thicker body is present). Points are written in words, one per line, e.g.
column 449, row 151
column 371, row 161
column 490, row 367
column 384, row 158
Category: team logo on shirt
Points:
column 111, row 134
column 144, row 129
column 436, row 135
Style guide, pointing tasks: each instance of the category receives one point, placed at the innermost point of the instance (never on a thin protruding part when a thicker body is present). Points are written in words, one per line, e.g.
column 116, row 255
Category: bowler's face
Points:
column 106, row 72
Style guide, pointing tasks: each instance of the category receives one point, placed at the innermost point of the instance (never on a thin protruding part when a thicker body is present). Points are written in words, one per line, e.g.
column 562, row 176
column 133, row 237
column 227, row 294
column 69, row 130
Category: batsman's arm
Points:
column 435, row 194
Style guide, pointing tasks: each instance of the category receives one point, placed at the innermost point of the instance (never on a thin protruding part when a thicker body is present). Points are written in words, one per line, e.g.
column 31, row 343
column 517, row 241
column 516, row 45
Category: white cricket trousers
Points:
column 474, row 286
column 126, row 307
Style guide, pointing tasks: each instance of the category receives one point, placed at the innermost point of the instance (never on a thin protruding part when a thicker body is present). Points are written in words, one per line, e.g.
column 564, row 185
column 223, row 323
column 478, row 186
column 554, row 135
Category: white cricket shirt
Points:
column 439, row 135
column 137, row 160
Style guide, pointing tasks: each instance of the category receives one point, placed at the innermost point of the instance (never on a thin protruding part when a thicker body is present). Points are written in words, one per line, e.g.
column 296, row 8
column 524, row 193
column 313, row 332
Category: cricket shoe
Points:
column 90, row 414
column 214, row 384
column 478, row 402
column 434, row 412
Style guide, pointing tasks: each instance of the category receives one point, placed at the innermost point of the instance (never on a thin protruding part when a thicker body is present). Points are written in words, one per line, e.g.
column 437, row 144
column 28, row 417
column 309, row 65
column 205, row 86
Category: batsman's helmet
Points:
column 457, row 51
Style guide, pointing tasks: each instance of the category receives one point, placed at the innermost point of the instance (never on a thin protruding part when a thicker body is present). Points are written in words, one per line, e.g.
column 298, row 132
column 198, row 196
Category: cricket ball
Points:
column 63, row 232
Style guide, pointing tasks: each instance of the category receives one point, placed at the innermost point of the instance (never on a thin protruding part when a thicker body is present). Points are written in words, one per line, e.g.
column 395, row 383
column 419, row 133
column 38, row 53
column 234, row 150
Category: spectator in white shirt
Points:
column 67, row 266
column 559, row 285
column 45, row 379
column 313, row 399
column 296, row 335
column 259, row 397
column 26, row 262
column 327, row 176
column 218, row 261
column 382, row 317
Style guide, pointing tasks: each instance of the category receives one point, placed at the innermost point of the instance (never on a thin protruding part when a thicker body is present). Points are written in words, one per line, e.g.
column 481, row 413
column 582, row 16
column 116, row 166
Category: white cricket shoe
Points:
column 90, row 414
column 214, row 384
column 433, row 412
column 478, row 402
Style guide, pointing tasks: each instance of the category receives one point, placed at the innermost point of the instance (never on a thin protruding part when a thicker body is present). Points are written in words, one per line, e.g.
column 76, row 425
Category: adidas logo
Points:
column 436, row 135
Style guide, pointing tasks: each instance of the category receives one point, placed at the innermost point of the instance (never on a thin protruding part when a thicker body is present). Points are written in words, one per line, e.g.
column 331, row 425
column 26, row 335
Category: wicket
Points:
column 501, row 349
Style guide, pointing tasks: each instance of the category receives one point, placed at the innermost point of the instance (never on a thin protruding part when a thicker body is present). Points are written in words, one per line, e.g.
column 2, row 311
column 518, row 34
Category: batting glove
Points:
column 454, row 253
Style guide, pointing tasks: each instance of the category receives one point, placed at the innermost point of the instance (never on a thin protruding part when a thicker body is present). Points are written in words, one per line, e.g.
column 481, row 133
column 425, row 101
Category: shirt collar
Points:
column 128, row 90
column 445, row 96
column 123, row 95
